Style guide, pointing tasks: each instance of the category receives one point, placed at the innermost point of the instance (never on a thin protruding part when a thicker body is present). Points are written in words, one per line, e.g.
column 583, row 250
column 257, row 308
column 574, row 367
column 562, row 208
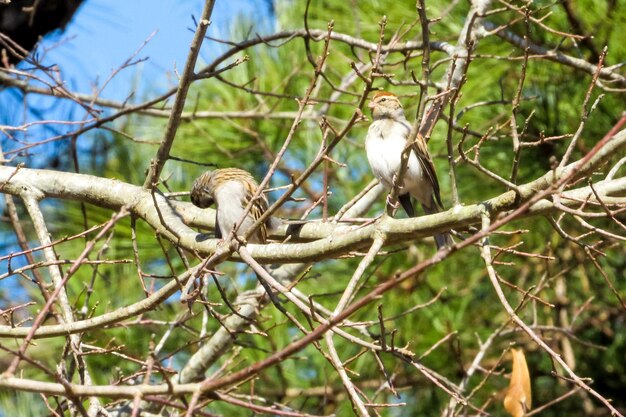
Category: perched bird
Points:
column 231, row 190
column 386, row 140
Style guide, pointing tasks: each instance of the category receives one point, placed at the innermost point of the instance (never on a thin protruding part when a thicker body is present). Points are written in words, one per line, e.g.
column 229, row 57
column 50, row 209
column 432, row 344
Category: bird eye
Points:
column 383, row 99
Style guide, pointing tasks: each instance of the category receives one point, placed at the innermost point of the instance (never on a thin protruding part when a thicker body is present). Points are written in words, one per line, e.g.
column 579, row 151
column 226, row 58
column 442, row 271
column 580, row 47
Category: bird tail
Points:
column 293, row 227
column 405, row 200
column 441, row 239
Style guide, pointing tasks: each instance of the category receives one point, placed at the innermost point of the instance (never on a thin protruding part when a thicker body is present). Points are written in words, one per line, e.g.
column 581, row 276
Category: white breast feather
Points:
column 230, row 200
column 384, row 151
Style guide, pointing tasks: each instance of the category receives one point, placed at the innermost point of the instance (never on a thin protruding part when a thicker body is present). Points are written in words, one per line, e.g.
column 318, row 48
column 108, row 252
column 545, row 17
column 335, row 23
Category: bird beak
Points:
column 371, row 104
column 204, row 203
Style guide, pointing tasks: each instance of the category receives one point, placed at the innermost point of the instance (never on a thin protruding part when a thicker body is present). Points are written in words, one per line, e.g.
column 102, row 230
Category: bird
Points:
column 231, row 189
column 386, row 139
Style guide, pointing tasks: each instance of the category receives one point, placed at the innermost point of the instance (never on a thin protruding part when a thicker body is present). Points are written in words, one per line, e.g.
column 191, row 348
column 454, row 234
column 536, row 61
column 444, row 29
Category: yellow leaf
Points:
column 518, row 399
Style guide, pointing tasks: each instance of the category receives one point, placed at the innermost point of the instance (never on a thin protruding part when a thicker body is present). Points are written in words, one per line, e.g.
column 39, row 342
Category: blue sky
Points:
column 102, row 36
column 105, row 33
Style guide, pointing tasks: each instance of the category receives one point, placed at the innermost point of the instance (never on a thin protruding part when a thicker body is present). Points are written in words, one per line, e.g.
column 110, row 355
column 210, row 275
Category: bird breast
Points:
column 385, row 142
column 231, row 200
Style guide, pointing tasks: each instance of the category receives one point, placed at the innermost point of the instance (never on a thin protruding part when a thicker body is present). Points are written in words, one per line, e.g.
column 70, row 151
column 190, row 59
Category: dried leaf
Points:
column 518, row 397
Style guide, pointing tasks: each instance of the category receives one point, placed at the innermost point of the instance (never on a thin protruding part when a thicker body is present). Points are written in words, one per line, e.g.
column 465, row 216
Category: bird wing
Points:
column 405, row 200
column 426, row 162
column 258, row 208
column 249, row 189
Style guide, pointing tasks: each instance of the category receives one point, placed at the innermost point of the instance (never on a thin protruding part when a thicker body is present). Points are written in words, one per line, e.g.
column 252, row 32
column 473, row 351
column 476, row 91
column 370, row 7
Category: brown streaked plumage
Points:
column 231, row 189
column 386, row 139
column 385, row 105
column 383, row 94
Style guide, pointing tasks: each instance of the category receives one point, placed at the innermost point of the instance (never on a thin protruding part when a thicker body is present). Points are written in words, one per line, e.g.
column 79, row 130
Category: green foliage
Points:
column 551, row 104
column 23, row 404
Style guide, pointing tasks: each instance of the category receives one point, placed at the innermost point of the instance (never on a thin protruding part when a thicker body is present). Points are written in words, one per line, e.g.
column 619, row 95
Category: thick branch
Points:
column 338, row 242
column 107, row 192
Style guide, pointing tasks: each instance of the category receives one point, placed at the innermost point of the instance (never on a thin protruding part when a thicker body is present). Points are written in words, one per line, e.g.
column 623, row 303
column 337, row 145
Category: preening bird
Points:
column 231, row 189
column 386, row 139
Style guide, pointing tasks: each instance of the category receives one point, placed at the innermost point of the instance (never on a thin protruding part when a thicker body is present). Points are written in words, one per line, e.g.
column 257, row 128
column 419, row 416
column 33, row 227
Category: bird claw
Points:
column 241, row 240
column 393, row 204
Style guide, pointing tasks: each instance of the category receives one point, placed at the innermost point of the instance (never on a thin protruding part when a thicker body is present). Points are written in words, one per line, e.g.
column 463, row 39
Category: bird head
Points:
column 213, row 186
column 386, row 105
column 202, row 191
